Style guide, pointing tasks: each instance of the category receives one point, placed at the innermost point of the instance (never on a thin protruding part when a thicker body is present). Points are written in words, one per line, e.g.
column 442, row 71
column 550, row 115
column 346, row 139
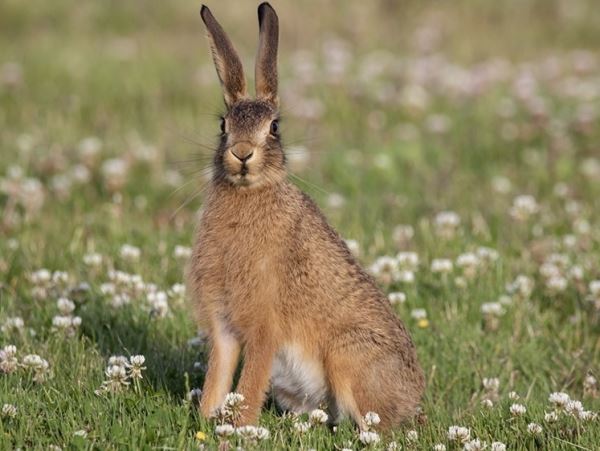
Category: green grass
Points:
column 137, row 76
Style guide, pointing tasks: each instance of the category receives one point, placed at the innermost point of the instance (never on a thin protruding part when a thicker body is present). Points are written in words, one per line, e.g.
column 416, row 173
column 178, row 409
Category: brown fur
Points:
column 269, row 276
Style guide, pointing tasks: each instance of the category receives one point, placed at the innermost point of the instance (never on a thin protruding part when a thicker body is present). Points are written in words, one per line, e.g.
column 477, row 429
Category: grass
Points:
column 402, row 112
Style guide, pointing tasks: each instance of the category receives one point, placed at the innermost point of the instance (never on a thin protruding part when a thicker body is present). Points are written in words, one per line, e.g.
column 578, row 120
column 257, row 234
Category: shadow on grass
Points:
column 163, row 341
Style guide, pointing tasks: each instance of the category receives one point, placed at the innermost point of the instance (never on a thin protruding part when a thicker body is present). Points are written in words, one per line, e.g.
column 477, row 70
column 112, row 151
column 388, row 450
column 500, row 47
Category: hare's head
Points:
column 250, row 153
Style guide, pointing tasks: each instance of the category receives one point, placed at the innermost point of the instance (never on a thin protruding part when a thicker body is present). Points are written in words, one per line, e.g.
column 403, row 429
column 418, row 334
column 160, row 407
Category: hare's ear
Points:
column 228, row 63
column 266, row 60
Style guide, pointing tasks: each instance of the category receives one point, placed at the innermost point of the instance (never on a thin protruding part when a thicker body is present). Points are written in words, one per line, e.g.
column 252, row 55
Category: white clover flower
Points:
column 65, row 306
column 517, row 409
column 412, row 436
column 115, row 171
column 92, row 259
column 487, row 254
column 534, row 429
column 233, row 400
column 397, row 297
column 194, row 395
column 442, row 265
column 408, row 260
column 369, row 438
column 34, row 361
column 252, row 433
column 9, row 411
column 522, row 286
column 40, row 277
column 556, row 284
column 492, row 309
column 8, row 360
column 385, row 269
column 513, row 395
column 418, row 313
column 404, row 276
column 158, row 303
column 336, row 201
column 475, row 445
column 551, row 417
column 559, row 399
column 182, row 252
column 459, row 434
column 594, row 288
column 446, row 224
column 60, row 277
column 38, row 365
column 353, row 247
column 524, row 207
column 302, row 426
column 574, row 408
column 491, row 383
column 119, row 360
column 402, row 234
column 501, row 185
column 439, row 447
column 487, row 403
column 590, row 382
column 393, row 446
column 81, row 433
column 587, row 415
column 372, row 419
column 317, row 416
column 12, row 323
column 498, row 446
column 136, row 366
column 224, row 430
column 469, row 263
column 130, row 253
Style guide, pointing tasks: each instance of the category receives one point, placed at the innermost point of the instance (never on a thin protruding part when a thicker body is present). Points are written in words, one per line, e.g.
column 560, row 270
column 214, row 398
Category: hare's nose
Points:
column 243, row 155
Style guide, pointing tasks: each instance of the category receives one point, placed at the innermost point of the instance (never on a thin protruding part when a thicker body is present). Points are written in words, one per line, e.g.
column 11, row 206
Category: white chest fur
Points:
column 298, row 380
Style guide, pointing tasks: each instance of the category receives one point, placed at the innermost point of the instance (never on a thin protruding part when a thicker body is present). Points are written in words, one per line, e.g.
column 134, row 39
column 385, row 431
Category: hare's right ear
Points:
column 228, row 63
column 266, row 60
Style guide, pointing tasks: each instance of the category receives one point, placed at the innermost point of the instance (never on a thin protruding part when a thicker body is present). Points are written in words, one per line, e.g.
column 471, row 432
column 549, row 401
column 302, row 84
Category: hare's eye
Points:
column 222, row 125
column 275, row 127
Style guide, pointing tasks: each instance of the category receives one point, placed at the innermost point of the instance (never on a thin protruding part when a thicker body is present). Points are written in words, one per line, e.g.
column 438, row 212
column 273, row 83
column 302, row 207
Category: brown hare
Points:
column 272, row 279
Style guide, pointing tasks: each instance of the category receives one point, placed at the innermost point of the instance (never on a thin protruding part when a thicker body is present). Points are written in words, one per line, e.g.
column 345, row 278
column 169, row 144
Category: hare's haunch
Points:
column 271, row 279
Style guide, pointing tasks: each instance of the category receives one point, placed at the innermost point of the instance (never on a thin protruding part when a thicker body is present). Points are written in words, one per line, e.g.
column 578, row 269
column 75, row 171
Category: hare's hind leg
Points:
column 378, row 384
column 341, row 381
column 222, row 362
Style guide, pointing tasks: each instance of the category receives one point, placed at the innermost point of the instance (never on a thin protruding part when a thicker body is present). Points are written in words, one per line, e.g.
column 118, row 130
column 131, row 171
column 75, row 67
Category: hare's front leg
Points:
column 259, row 353
column 222, row 362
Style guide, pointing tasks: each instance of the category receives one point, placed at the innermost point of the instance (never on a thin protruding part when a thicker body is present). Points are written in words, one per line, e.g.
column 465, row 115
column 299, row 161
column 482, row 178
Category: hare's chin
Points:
column 247, row 180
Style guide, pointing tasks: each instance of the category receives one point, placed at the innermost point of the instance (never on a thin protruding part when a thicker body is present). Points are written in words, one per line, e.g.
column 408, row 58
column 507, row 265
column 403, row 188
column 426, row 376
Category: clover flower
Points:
column 318, row 416
column 369, row 438
column 397, row 297
column 534, row 429
column 136, row 366
column 517, row 410
column 8, row 360
column 8, row 411
column 302, row 426
column 474, row 445
column 224, row 430
column 459, row 434
column 38, row 365
column 442, row 266
column 446, row 224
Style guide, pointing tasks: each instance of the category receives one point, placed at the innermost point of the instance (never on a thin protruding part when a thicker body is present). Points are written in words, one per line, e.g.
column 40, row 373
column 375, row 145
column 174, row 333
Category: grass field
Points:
column 456, row 143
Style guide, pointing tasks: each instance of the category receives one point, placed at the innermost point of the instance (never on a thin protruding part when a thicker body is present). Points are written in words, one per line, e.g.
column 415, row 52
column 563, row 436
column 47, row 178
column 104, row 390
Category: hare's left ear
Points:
column 228, row 63
column 265, row 71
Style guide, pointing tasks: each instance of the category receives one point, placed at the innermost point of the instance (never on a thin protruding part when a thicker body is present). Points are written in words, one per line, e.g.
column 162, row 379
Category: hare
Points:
column 271, row 278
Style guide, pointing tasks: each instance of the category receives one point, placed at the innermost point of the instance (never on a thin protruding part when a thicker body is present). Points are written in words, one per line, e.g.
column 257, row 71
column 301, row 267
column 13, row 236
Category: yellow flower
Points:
column 423, row 323
column 200, row 436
